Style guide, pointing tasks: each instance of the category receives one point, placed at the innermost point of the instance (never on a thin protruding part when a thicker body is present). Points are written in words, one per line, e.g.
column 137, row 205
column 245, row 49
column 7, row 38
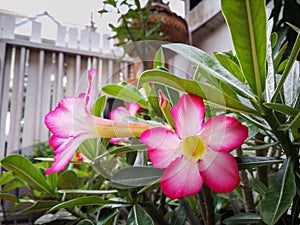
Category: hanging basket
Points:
column 174, row 27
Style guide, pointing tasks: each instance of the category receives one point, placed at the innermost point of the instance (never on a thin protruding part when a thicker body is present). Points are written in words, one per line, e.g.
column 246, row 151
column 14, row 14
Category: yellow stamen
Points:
column 193, row 147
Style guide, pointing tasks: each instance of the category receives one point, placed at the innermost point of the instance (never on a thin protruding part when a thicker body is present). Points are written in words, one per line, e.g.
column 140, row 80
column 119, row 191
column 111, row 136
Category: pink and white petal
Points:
column 223, row 133
column 55, row 141
column 65, row 153
column 69, row 118
column 219, row 171
column 181, row 178
column 91, row 91
column 133, row 108
column 117, row 140
column 119, row 113
column 163, row 146
column 188, row 115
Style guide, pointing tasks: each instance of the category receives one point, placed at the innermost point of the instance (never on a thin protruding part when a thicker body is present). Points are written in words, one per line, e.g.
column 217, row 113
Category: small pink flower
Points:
column 119, row 114
column 71, row 123
column 198, row 152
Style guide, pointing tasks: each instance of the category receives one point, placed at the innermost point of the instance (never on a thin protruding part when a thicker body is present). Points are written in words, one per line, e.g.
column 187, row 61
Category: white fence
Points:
column 36, row 73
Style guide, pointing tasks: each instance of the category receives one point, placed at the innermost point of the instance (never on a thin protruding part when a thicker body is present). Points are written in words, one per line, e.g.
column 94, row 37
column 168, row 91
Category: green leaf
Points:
column 256, row 161
column 210, row 66
column 136, row 177
column 85, row 222
column 278, row 57
column 39, row 206
column 107, row 217
column 279, row 195
column 259, row 186
column 212, row 95
column 60, row 215
column 85, row 201
column 9, row 197
column 24, row 169
column 243, row 218
column 247, row 24
column 288, row 67
column 290, row 111
column 125, row 93
column 138, row 216
column 99, row 106
column 179, row 215
column 159, row 59
column 87, row 192
column 68, row 180
column 226, row 61
column 6, row 177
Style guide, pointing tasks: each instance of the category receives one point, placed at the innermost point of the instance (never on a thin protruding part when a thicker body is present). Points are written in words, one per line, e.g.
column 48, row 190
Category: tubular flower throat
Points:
column 198, row 152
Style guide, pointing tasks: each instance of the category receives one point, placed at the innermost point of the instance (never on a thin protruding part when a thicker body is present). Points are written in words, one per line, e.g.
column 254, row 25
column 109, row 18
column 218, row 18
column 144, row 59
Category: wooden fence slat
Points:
column 39, row 117
column 17, row 102
column 7, row 27
column 4, row 102
column 71, row 76
column 48, row 74
column 61, row 36
column 30, row 110
column 36, row 32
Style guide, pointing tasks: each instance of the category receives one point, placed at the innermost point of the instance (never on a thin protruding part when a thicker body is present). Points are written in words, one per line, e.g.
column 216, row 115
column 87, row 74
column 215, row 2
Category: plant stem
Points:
column 207, row 205
column 262, row 172
column 246, row 187
column 191, row 215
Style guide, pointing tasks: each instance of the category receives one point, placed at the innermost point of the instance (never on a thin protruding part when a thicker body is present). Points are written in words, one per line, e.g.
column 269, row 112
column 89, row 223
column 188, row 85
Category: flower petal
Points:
column 181, row 178
column 65, row 152
column 119, row 113
column 219, row 171
column 163, row 146
column 223, row 133
column 69, row 118
column 55, row 142
column 188, row 115
column 117, row 140
column 133, row 108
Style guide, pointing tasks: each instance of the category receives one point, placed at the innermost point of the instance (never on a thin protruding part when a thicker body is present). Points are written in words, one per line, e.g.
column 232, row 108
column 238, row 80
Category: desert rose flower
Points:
column 71, row 123
column 198, row 152
column 120, row 114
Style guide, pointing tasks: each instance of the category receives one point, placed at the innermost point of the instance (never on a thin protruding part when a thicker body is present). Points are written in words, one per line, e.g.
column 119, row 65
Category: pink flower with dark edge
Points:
column 71, row 123
column 198, row 152
column 120, row 113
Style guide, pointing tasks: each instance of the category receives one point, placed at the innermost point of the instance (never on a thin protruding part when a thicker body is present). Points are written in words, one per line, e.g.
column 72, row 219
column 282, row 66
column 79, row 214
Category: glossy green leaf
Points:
column 287, row 69
column 136, row 177
column 255, row 161
column 230, row 65
column 24, row 169
column 212, row 95
column 40, row 206
column 279, row 195
column 210, row 66
column 85, row 201
column 124, row 93
column 60, row 215
column 159, row 59
column 107, row 217
column 278, row 57
column 138, row 216
column 247, row 24
column 259, row 186
column 68, row 180
column 99, row 106
column 6, row 177
column 87, row 192
column 90, row 148
column 9, row 197
column 179, row 215
column 243, row 218
column 290, row 111
column 85, row 222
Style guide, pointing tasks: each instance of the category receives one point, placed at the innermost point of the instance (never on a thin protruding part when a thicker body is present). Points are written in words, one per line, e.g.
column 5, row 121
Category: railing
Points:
column 36, row 73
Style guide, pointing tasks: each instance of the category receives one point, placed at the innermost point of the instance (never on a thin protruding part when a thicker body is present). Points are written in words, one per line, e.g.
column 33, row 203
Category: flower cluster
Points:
column 197, row 152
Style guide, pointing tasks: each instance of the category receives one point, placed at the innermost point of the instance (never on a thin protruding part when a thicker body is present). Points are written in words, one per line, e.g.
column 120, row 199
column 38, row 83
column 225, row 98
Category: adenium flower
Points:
column 120, row 113
column 71, row 123
column 198, row 152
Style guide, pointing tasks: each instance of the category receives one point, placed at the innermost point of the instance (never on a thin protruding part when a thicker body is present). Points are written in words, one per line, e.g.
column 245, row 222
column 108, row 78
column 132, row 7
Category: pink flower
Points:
column 71, row 123
column 197, row 152
column 119, row 114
